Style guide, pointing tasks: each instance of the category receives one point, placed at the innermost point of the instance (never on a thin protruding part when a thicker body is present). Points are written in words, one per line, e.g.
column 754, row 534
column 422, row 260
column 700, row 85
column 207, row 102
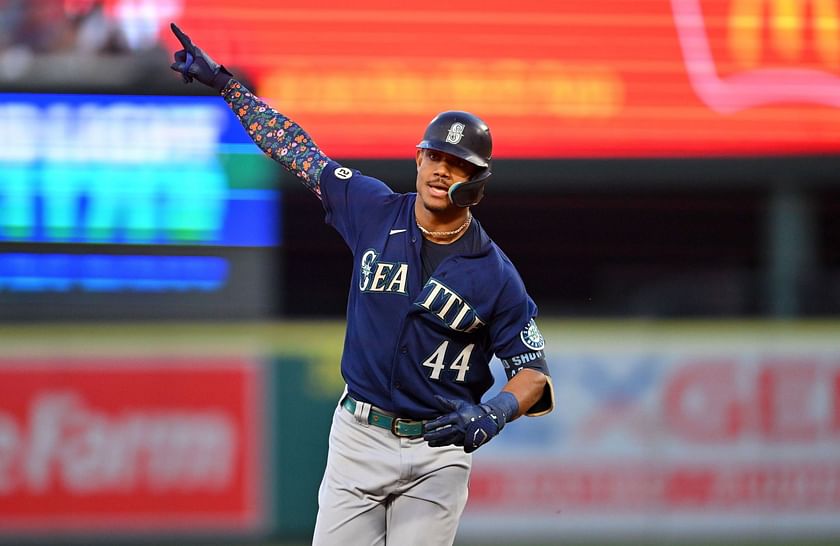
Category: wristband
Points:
column 503, row 407
column 221, row 79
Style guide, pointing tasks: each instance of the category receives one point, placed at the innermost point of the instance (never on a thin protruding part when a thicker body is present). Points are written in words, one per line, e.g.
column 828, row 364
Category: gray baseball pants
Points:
column 380, row 489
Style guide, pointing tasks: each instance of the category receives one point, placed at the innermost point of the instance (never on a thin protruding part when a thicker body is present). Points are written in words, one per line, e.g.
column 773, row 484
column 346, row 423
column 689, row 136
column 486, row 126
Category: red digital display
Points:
column 567, row 79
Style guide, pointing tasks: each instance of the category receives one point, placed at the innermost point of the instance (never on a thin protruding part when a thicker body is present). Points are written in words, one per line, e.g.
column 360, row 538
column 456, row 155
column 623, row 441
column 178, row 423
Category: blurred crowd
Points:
column 82, row 26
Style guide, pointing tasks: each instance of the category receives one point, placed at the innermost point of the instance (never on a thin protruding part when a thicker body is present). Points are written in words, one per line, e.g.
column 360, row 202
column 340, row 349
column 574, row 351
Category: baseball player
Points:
column 432, row 299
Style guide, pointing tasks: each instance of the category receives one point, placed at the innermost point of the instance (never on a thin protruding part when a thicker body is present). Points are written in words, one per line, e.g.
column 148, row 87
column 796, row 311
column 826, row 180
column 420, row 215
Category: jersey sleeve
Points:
column 519, row 344
column 351, row 200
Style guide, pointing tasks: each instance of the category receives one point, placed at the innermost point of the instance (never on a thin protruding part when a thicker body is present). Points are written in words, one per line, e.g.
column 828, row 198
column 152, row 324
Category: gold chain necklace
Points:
column 445, row 234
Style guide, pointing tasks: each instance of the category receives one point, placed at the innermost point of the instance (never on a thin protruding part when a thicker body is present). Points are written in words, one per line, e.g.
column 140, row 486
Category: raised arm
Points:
column 278, row 136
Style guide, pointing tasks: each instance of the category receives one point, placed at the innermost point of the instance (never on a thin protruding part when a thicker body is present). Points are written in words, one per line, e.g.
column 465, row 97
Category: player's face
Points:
column 436, row 172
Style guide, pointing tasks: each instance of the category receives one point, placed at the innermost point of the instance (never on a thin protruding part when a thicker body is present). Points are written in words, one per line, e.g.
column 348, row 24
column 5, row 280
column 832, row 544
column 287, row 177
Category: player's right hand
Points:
column 467, row 425
column 193, row 63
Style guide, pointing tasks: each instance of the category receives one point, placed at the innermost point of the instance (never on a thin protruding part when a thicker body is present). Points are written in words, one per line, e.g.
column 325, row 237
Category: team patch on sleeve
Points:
column 532, row 337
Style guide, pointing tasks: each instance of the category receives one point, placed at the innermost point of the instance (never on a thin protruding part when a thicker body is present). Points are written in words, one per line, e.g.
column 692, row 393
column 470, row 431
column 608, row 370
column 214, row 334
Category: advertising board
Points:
column 132, row 445
column 711, row 437
column 567, row 79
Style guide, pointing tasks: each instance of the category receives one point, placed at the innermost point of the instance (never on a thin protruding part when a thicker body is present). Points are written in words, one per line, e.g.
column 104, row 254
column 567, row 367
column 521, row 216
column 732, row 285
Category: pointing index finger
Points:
column 183, row 38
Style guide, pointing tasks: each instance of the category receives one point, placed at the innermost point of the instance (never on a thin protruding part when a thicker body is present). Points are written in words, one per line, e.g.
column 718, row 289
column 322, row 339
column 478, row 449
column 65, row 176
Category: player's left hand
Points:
column 467, row 425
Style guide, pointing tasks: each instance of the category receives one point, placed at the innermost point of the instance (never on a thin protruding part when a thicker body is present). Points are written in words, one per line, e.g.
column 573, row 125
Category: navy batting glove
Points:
column 470, row 425
column 451, row 428
column 193, row 63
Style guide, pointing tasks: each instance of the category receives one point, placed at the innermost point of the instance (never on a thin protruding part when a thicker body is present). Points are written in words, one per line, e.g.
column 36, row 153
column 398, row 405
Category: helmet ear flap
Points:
column 469, row 192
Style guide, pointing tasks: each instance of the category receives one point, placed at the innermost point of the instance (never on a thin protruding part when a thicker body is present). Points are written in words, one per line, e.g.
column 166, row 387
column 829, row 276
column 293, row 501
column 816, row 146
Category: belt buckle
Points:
column 395, row 422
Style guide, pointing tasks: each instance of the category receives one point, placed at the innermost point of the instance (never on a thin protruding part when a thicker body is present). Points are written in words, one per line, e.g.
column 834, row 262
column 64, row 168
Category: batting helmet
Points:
column 466, row 136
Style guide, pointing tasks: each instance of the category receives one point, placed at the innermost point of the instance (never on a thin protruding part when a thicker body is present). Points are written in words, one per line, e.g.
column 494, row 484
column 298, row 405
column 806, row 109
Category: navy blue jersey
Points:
column 407, row 339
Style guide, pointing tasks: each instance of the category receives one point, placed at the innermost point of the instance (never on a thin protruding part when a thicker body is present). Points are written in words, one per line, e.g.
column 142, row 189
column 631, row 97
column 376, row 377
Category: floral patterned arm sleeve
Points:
column 280, row 138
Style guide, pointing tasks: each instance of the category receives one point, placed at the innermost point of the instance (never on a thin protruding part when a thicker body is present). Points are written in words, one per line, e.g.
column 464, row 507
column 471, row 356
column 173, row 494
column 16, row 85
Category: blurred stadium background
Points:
column 171, row 303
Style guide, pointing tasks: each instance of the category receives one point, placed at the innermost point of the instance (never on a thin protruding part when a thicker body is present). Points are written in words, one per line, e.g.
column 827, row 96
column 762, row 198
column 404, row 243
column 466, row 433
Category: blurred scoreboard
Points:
column 560, row 79
column 135, row 206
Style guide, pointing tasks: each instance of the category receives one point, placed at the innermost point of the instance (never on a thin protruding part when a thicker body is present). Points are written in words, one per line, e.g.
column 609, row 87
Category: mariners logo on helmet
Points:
column 532, row 337
column 456, row 133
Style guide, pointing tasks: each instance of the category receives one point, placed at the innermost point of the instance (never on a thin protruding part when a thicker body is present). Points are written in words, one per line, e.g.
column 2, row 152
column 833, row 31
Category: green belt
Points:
column 404, row 428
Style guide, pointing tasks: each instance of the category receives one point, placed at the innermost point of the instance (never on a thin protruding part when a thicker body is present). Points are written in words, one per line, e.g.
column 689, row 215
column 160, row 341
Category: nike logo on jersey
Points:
column 449, row 307
column 395, row 231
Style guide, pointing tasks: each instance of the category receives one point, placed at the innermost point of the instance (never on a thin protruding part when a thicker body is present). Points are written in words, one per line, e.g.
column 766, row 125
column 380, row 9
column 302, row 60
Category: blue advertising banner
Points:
column 129, row 170
column 125, row 193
